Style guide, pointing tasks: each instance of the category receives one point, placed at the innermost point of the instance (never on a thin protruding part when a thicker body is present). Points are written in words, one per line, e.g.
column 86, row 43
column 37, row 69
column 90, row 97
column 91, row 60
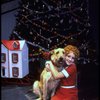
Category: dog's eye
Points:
column 57, row 52
column 63, row 52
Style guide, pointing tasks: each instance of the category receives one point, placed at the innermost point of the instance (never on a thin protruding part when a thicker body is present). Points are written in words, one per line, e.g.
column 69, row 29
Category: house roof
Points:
column 13, row 44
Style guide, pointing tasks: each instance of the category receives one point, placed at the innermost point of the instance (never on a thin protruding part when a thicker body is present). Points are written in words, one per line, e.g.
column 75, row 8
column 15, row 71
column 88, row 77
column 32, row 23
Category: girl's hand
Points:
column 47, row 66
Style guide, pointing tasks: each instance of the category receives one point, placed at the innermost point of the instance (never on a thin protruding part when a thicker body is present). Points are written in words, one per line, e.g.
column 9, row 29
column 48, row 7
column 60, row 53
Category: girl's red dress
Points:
column 68, row 93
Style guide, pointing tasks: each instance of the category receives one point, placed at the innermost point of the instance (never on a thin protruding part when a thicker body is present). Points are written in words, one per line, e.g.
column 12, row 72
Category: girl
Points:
column 67, row 89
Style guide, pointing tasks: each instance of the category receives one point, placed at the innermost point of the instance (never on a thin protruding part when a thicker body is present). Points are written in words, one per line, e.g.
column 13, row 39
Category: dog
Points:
column 46, row 87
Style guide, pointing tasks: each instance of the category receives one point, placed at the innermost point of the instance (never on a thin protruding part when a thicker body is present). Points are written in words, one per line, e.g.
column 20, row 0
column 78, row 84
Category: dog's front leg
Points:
column 45, row 85
column 44, row 89
column 36, row 89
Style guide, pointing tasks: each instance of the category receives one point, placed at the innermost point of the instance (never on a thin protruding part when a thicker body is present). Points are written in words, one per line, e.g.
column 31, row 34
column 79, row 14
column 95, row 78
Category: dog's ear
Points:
column 46, row 55
column 52, row 52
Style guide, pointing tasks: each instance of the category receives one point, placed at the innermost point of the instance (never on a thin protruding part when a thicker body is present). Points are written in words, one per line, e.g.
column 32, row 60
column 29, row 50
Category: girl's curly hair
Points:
column 72, row 48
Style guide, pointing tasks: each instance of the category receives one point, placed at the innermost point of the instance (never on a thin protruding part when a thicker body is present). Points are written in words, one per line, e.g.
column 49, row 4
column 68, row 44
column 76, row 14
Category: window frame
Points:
column 3, row 60
column 3, row 71
column 15, row 71
column 15, row 60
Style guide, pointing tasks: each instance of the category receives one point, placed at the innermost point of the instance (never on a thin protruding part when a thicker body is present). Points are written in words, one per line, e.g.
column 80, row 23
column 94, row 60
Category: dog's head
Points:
column 57, row 56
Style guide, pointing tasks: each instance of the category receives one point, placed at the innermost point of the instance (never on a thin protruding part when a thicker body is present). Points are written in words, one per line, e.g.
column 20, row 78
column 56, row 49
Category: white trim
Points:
column 68, row 86
column 65, row 73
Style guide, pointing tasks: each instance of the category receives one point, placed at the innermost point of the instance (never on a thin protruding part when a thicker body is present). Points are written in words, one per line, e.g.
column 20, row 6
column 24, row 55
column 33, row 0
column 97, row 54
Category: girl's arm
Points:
column 54, row 71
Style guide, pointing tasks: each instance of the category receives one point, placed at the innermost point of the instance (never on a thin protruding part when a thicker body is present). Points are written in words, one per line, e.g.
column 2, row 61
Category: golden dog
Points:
column 45, row 88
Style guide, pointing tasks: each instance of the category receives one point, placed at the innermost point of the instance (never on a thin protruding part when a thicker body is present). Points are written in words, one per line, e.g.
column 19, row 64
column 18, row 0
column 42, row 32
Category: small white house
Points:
column 14, row 59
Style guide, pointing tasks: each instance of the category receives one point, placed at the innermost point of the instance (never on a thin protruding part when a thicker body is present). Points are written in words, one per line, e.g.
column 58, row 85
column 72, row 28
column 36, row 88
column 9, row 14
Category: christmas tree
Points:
column 49, row 24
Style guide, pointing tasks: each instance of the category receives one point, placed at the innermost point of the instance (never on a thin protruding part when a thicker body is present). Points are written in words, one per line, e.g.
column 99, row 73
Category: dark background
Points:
column 89, row 74
column 88, row 79
column 94, row 20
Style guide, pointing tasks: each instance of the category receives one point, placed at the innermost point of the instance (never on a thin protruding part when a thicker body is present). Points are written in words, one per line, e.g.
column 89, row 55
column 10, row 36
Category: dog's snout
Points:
column 61, row 59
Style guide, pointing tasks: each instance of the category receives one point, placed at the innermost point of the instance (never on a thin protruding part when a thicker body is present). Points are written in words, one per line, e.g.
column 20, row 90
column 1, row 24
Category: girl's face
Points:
column 70, row 58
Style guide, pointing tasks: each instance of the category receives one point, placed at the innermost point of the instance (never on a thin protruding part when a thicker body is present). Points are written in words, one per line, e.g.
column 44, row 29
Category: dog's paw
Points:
column 31, row 96
column 39, row 99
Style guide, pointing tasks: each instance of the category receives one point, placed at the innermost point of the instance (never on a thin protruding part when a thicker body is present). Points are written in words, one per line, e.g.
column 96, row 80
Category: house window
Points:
column 3, row 71
column 15, row 72
column 16, row 45
column 14, row 57
column 3, row 57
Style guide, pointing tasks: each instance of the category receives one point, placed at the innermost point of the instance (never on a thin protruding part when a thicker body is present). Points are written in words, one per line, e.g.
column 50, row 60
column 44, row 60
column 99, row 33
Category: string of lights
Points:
column 47, row 25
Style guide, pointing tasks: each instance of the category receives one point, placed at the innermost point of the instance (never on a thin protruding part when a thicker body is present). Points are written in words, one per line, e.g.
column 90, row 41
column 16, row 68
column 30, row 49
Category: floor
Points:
column 18, row 89
column 14, row 89
column 14, row 92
